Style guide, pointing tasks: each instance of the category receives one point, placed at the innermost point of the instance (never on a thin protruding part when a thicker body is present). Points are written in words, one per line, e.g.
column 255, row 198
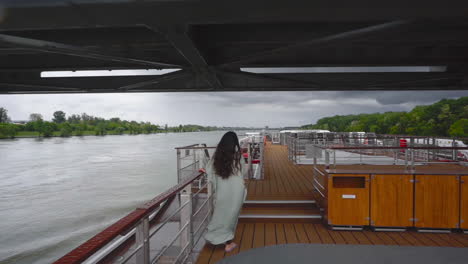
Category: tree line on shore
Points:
column 448, row 118
column 81, row 125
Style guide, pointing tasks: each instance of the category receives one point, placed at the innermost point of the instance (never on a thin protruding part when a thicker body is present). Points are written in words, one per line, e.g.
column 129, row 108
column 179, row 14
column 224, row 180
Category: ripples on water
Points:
column 56, row 193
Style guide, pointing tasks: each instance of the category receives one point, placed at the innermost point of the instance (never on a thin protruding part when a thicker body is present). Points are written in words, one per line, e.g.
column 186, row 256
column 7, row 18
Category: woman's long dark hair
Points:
column 227, row 156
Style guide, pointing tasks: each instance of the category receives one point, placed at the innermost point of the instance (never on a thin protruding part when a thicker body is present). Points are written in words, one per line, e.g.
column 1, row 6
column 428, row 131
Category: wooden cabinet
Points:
column 392, row 200
column 437, row 201
column 464, row 202
column 348, row 199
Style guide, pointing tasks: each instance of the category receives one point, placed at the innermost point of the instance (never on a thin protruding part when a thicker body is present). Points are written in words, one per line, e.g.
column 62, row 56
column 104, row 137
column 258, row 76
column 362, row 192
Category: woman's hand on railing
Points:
column 202, row 170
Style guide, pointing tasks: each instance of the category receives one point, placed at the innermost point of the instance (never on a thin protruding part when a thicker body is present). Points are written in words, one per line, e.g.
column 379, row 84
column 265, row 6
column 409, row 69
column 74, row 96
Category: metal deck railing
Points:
column 166, row 229
column 378, row 149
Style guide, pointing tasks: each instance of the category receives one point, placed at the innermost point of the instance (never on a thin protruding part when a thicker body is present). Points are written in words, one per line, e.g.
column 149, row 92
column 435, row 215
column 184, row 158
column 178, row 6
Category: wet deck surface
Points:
column 283, row 180
column 254, row 235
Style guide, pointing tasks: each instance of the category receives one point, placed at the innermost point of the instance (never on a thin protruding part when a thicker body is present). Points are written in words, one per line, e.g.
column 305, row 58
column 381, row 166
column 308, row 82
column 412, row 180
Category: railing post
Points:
column 315, row 163
column 178, row 166
column 406, row 158
column 454, row 151
column 334, row 159
column 210, row 194
column 249, row 164
column 327, row 159
column 186, row 237
column 261, row 164
column 142, row 239
column 295, row 151
column 195, row 158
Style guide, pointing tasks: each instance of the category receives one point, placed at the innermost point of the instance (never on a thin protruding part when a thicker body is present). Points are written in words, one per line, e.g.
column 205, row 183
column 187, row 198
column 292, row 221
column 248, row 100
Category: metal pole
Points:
column 186, row 237
column 334, row 159
column 210, row 194
column 262, row 149
column 406, row 158
column 454, row 152
column 250, row 161
column 295, row 150
column 142, row 239
column 195, row 163
column 327, row 159
column 178, row 166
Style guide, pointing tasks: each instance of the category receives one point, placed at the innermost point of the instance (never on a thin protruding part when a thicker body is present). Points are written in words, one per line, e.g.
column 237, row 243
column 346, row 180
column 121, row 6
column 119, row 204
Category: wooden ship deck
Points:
column 281, row 209
column 283, row 180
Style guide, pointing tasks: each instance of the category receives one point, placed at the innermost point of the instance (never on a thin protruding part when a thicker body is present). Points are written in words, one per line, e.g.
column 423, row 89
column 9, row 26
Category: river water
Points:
column 56, row 193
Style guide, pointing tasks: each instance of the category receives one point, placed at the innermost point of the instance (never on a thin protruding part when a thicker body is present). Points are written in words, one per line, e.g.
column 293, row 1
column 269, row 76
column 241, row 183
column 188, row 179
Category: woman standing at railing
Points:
column 228, row 180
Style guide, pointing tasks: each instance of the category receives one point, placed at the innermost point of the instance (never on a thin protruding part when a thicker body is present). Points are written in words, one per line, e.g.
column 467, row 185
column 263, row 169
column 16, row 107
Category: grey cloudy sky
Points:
column 258, row 109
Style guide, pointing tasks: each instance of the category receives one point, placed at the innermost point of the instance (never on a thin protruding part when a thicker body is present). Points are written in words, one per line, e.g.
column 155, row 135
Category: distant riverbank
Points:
column 33, row 134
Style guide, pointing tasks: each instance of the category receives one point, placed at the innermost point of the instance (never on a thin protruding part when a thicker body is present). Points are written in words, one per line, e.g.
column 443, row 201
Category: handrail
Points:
column 185, row 147
column 122, row 226
column 191, row 147
column 381, row 147
column 315, row 168
column 429, row 137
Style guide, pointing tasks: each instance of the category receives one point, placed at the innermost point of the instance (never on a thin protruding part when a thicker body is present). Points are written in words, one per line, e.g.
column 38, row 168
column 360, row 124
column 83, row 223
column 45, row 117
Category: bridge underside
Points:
column 211, row 43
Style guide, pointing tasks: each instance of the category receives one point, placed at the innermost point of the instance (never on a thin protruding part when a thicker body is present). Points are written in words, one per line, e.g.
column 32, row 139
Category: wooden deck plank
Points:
column 452, row 242
column 247, row 237
column 411, row 239
column 373, row 237
column 270, row 234
column 218, row 254
column 312, row 234
column 438, row 239
column 290, row 232
column 295, row 181
column 251, row 188
column 282, row 180
column 264, row 234
column 386, row 238
column 324, row 235
column 259, row 235
column 348, row 237
column 423, row 239
column 280, row 236
column 273, row 184
column 361, row 238
column 205, row 254
column 336, row 236
column 462, row 238
column 259, row 187
column 237, row 239
column 302, row 178
column 301, row 234
column 401, row 241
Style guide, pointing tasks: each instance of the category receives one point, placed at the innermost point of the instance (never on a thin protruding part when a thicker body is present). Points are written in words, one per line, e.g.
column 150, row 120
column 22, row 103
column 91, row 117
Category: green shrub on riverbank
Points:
column 448, row 117
column 84, row 125
column 8, row 130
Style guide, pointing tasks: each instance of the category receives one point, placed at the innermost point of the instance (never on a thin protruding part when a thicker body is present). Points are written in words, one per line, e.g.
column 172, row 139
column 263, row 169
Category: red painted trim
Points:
column 87, row 249
column 122, row 226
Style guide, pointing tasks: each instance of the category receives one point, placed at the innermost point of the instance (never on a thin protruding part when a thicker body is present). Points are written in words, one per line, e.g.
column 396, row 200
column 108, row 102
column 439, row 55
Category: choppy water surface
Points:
column 56, row 193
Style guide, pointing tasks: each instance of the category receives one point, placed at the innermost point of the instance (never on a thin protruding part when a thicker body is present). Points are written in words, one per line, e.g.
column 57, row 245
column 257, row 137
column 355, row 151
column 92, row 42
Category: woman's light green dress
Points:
column 228, row 200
